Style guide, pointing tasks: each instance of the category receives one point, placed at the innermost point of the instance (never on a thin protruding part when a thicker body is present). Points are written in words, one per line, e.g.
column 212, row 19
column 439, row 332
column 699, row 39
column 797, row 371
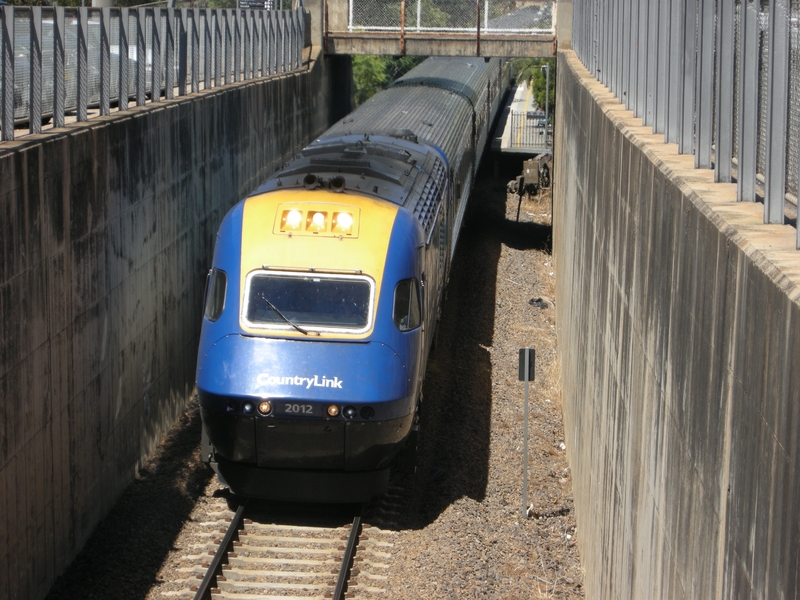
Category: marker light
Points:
column 265, row 407
column 291, row 220
column 247, row 407
column 333, row 410
column 343, row 223
column 315, row 221
column 350, row 412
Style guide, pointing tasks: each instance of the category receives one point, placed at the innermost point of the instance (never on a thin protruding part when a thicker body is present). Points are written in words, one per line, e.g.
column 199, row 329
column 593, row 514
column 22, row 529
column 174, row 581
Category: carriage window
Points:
column 317, row 302
column 406, row 305
column 215, row 294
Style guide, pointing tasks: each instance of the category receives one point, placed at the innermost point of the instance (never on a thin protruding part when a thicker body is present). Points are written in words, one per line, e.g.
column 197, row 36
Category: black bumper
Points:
column 301, row 485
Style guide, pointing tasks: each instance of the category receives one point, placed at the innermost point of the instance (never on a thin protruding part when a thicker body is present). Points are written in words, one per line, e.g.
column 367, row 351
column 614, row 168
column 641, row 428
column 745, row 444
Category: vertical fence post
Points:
column 686, row 126
column 217, row 47
column 651, row 79
column 169, row 55
column 273, row 47
column 724, row 98
column 748, row 101
column 141, row 57
column 207, row 48
column 246, row 16
column 155, row 85
column 297, row 38
column 633, row 63
column 195, row 45
column 7, row 108
column 705, row 86
column 237, row 46
column 263, row 26
column 228, row 45
column 183, row 50
column 777, row 111
column 35, row 116
column 676, row 65
column 478, row 27
column 124, row 61
column 59, row 89
column 641, row 59
column 105, row 61
column 279, row 42
column 83, row 63
column 663, row 62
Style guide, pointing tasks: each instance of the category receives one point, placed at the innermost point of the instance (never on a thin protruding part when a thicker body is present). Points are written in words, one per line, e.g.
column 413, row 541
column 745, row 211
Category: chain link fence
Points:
column 717, row 77
column 454, row 16
column 61, row 61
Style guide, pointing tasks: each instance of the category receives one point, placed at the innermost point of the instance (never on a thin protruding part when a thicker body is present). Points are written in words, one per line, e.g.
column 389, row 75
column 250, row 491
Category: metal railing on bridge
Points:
column 57, row 61
column 717, row 77
column 452, row 16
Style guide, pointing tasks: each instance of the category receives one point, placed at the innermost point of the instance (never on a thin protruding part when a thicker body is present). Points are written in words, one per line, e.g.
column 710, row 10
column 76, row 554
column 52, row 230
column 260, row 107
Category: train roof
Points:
column 435, row 116
column 465, row 76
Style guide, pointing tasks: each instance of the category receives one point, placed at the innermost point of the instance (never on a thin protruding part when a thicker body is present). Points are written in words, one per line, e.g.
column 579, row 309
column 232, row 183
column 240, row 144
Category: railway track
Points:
column 256, row 553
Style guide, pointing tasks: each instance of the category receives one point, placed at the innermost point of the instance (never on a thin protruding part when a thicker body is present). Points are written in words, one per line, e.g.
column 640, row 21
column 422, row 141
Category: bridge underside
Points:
column 439, row 44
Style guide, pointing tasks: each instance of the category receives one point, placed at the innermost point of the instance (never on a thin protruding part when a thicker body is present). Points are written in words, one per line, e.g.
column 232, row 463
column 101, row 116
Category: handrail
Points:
column 54, row 61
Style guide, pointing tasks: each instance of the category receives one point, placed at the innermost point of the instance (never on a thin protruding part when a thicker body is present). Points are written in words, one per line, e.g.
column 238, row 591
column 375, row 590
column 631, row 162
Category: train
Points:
column 326, row 286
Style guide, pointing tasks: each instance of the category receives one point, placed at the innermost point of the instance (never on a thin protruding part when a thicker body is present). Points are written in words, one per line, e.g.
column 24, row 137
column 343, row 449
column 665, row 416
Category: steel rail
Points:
column 349, row 553
column 233, row 528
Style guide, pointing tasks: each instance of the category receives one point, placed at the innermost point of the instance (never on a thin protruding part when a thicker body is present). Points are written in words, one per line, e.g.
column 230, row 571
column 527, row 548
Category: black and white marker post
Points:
column 527, row 360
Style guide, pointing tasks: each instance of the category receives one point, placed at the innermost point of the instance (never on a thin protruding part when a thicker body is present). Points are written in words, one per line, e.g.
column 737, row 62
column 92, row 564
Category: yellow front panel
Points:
column 265, row 243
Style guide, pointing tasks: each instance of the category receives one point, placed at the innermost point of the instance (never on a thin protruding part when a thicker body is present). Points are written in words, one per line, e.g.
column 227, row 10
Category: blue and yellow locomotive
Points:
column 326, row 286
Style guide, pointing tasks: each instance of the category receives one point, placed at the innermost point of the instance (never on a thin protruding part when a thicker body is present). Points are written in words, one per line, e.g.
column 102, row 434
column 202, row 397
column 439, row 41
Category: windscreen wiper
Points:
column 284, row 317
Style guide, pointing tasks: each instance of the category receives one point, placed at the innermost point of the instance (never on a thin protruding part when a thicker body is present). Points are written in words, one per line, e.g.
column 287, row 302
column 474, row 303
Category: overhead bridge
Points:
column 443, row 28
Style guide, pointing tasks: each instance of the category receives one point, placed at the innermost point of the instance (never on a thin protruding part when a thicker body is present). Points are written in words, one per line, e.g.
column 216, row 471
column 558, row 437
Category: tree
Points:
column 374, row 73
column 530, row 70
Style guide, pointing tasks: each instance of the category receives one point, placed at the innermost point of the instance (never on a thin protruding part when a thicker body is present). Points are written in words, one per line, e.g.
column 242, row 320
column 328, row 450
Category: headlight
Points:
column 315, row 221
column 342, row 223
column 291, row 220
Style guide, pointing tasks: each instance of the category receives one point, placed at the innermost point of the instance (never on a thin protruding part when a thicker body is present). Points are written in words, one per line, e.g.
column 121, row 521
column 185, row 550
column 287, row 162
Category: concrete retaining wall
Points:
column 106, row 233
column 679, row 333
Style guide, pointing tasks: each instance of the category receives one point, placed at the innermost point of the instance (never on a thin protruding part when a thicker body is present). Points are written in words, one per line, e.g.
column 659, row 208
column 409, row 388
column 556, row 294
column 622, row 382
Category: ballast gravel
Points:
column 461, row 530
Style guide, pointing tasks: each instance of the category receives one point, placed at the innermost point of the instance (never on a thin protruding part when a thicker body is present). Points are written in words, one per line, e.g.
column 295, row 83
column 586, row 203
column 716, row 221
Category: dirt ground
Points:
column 463, row 531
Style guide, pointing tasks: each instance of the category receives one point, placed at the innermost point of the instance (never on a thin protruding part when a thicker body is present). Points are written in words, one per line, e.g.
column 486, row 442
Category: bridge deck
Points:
column 439, row 44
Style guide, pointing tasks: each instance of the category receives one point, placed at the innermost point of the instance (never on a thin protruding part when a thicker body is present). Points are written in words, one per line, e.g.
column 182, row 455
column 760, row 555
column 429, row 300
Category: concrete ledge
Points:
column 678, row 315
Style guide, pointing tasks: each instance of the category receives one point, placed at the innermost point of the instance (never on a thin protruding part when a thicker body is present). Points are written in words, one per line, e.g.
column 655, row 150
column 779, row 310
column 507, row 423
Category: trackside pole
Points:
column 527, row 372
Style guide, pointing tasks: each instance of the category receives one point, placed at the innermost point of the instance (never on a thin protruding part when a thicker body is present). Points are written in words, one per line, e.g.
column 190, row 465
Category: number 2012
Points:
column 299, row 408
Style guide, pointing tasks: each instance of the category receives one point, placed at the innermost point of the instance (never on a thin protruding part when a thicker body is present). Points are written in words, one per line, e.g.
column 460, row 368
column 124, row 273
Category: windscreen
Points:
column 316, row 302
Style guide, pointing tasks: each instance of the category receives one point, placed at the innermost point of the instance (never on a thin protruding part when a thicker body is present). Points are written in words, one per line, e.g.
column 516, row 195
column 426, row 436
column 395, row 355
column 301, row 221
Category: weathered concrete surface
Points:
column 440, row 44
column 679, row 333
column 107, row 230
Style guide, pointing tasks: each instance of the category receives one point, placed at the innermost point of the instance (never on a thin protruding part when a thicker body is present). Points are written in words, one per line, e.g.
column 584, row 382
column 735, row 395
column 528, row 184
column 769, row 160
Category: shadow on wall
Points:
column 128, row 548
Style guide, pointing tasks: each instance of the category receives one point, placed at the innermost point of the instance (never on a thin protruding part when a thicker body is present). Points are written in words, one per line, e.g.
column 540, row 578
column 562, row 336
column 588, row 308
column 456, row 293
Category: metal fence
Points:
column 62, row 61
column 528, row 130
column 454, row 16
column 718, row 77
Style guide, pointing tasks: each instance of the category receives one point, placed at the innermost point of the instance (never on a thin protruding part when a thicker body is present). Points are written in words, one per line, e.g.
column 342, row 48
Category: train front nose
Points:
column 332, row 406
